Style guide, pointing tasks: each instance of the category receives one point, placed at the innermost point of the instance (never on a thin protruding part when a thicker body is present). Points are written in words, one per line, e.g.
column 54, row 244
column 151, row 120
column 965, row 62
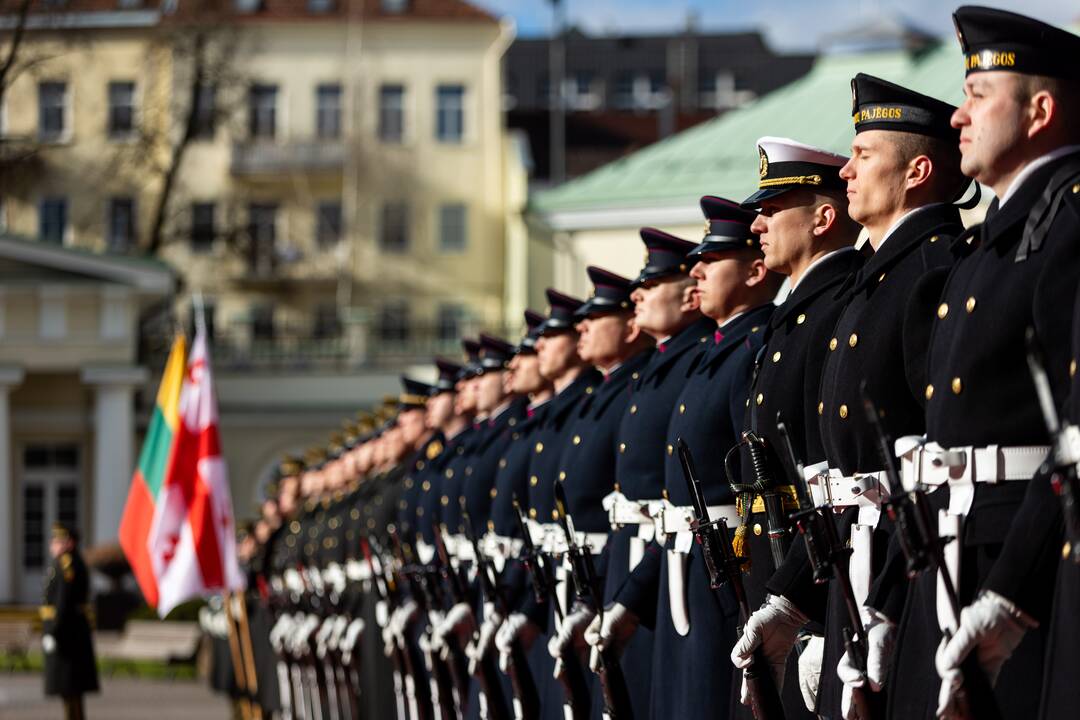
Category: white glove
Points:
column 992, row 626
column 516, row 627
column 486, row 640
column 349, row 638
column 48, row 643
column 880, row 639
column 773, row 627
column 613, row 630
column 571, row 629
column 334, row 577
column 810, row 670
column 459, row 620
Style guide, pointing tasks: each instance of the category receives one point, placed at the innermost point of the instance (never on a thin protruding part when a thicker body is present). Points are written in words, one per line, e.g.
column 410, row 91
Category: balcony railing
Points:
column 266, row 157
column 355, row 345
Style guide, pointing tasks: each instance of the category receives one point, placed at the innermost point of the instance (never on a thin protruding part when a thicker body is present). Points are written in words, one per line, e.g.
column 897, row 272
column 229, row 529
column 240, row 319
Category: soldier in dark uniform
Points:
column 611, row 342
column 666, row 308
column 695, row 626
column 572, row 381
column 808, row 237
column 1019, row 270
column 70, row 666
column 503, row 539
column 902, row 178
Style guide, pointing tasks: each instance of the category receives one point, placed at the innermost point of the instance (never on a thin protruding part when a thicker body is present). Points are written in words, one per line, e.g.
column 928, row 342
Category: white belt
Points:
column 424, row 552
column 622, row 510
column 842, row 491
column 677, row 520
column 550, row 538
column 500, row 546
column 928, row 463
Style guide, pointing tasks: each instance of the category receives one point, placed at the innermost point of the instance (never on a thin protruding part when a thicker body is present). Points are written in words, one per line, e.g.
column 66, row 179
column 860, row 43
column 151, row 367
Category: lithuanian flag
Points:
column 151, row 472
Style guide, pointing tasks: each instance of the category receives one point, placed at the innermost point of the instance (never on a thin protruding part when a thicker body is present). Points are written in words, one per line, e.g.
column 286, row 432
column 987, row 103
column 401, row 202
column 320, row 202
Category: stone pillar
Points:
column 114, row 445
column 10, row 378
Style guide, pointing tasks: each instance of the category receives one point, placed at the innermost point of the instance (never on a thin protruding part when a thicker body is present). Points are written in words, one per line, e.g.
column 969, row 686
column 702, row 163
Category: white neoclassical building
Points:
column 68, row 383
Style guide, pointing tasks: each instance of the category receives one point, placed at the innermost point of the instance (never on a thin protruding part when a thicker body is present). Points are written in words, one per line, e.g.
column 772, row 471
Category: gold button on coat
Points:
column 957, row 385
column 670, row 449
column 682, row 408
column 534, row 480
column 759, row 399
column 776, row 356
column 970, row 304
column 881, row 277
column 942, row 310
column 562, row 474
column 843, row 411
column 757, row 528
column 633, row 409
column 622, row 447
column 494, row 493
column 934, row 239
column 532, row 513
column 801, row 319
column 820, row 408
column 1072, row 367
column 929, row 391
column 539, row 447
column 853, row 340
column 833, row 344
column 577, row 439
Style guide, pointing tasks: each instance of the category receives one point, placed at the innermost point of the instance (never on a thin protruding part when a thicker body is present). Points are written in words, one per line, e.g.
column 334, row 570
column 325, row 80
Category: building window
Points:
column 52, row 110
column 394, row 228
column 452, row 228
column 262, row 238
column 320, row 7
column 327, row 322
column 53, row 219
column 202, row 227
column 121, row 238
column 33, row 526
column 262, row 111
column 394, row 321
column 580, row 93
column 451, row 318
column 450, row 113
column 328, row 223
column 328, row 111
column 392, row 113
column 205, row 119
column 121, row 109
column 262, row 322
column 394, row 7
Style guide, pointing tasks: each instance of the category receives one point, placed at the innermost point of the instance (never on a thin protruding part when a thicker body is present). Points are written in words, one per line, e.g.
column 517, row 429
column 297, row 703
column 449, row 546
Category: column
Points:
column 114, row 445
column 10, row 378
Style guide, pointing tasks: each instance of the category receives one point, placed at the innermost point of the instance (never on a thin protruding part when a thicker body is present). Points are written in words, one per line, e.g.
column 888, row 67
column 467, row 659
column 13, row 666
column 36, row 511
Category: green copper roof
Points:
column 720, row 157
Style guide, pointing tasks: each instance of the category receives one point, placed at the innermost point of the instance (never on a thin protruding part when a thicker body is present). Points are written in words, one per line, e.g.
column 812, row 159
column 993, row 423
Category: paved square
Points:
column 121, row 698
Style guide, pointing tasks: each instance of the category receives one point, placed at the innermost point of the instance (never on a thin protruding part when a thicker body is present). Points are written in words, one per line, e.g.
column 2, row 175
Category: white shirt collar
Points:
column 823, row 258
column 1031, row 167
column 721, row 326
column 610, row 370
column 900, row 221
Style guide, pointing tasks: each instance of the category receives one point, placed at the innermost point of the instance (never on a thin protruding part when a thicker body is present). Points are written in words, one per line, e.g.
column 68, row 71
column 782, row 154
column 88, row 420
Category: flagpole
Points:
column 200, row 309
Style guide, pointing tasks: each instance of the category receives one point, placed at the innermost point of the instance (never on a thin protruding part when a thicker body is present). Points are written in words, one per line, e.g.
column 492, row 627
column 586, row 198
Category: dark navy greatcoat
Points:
column 591, row 446
column 543, row 471
column 692, row 672
column 639, row 470
column 479, row 485
column 454, row 470
column 880, row 338
column 979, row 393
column 786, row 380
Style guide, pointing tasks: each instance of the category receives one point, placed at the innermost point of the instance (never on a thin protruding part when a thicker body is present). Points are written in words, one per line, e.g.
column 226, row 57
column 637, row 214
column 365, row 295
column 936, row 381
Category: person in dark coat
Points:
column 694, row 626
column 903, row 178
column 666, row 308
column 1019, row 270
column 610, row 341
column 572, row 380
column 70, row 665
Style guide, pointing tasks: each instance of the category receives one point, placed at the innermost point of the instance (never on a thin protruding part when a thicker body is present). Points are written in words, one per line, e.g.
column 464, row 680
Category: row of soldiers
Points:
column 884, row 523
